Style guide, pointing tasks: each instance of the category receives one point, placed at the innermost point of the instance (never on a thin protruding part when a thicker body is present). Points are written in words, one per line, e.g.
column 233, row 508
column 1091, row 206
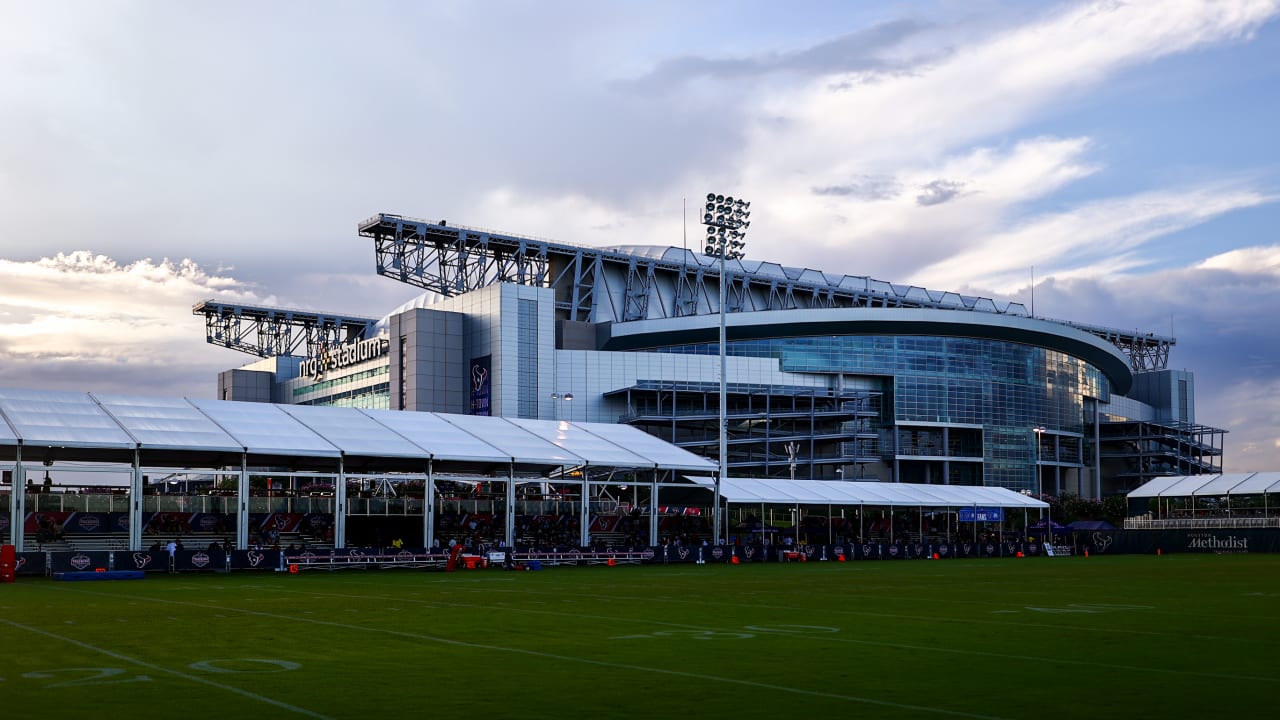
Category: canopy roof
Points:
column 55, row 425
column 1210, row 485
column 838, row 492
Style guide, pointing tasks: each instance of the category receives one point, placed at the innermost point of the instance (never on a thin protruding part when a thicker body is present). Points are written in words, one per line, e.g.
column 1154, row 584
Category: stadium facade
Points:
column 828, row 376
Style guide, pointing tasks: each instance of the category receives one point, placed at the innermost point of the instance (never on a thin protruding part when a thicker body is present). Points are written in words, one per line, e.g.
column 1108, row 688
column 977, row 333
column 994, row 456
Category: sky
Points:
column 1122, row 154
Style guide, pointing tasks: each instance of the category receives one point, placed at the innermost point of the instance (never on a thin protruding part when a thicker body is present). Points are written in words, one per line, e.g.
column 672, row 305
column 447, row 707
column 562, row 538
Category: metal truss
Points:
column 270, row 332
column 622, row 285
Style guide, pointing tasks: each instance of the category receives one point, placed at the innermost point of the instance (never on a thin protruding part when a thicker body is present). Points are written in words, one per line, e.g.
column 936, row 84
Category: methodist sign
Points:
column 342, row 356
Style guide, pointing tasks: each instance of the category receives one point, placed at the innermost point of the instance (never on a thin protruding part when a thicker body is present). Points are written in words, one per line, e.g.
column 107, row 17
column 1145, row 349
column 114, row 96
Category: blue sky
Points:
column 155, row 154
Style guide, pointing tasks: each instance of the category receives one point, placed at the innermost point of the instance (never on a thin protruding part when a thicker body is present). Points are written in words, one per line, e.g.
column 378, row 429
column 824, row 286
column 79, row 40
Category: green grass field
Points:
column 1177, row 636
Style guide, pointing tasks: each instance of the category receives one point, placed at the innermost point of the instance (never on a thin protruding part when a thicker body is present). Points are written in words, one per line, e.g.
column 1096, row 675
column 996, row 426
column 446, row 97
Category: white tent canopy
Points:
column 1230, row 484
column 44, row 424
column 836, row 492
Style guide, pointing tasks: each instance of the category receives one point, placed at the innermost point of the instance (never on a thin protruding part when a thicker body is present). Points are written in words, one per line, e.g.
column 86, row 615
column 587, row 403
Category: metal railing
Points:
column 1200, row 523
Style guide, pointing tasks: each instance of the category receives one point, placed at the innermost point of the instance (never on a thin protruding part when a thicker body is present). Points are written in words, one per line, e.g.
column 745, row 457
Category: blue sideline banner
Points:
column 145, row 560
column 195, row 560
column 80, row 561
column 255, row 559
column 32, row 563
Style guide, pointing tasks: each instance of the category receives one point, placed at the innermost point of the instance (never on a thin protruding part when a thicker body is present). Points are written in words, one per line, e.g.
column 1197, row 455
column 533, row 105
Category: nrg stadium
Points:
column 826, row 376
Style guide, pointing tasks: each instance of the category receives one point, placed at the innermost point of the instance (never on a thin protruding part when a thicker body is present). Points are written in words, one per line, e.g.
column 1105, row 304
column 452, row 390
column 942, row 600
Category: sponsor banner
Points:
column 79, row 561
column 189, row 560
column 32, row 563
column 32, row 522
column 980, row 514
column 213, row 522
column 605, row 523
column 481, row 385
column 145, row 560
column 255, row 559
column 868, row 551
column 1221, row 541
column 89, row 523
column 895, row 551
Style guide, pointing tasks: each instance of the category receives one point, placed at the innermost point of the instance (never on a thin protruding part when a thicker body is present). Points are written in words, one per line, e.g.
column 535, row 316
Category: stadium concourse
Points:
column 251, row 477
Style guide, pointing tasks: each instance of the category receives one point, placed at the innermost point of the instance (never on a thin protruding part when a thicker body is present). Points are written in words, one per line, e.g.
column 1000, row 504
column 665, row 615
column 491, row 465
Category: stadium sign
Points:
column 343, row 356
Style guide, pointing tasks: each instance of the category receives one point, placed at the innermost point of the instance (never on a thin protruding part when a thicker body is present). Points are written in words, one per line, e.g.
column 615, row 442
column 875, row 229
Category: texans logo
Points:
column 255, row 557
column 1102, row 542
column 80, row 561
column 750, row 552
column 141, row 560
column 478, row 376
column 866, row 551
column 967, row 548
column 809, row 551
column 21, row 561
column 919, row 549
column 683, row 553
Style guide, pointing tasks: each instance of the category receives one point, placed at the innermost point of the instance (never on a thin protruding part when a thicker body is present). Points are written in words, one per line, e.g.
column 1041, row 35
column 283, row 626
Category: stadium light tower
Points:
column 726, row 221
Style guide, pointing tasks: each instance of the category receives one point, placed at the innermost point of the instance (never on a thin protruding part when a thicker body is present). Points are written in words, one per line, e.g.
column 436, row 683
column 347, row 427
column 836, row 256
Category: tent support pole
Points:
column 509, row 521
column 18, row 500
column 340, row 507
column 242, row 504
column 429, row 507
column 135, row 504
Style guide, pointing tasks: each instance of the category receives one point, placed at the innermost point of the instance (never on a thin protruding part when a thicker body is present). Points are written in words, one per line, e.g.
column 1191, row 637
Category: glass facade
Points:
column 1007, row 388
column 354, row 390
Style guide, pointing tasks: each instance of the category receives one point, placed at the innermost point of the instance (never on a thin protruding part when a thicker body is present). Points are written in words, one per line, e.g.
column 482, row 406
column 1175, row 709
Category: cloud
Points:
column 872, row 50
column 82, row 321
column 1100, row 238
column 937, row 192
column 867, row 187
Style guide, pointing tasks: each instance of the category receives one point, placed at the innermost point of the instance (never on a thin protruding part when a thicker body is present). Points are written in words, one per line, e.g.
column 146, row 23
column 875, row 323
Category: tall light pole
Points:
column 1038, row 430
column 726, row 221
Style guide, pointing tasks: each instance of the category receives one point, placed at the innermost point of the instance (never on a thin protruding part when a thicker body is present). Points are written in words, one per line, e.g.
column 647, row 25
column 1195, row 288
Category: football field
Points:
column 1127, row 636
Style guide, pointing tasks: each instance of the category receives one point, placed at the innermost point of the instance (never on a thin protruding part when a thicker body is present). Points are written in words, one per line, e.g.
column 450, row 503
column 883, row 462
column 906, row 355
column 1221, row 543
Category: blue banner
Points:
column 980, row 514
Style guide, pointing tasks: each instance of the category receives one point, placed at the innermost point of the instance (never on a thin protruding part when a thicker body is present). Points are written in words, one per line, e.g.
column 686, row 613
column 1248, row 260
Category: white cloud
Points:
column 1252, row 260
column 81, row 321
column 1096, row 239
column 837, row 163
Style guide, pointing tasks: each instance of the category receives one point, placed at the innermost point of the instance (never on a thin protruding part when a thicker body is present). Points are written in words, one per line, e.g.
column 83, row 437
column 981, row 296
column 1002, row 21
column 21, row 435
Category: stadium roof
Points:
column 48, row 426
column 1210, row 485
column 838, row 492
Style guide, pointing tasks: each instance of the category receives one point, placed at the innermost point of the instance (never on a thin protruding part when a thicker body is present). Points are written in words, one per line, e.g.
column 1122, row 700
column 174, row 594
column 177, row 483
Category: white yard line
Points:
column 826, row 638
column 167, row 671
column 577, row 660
